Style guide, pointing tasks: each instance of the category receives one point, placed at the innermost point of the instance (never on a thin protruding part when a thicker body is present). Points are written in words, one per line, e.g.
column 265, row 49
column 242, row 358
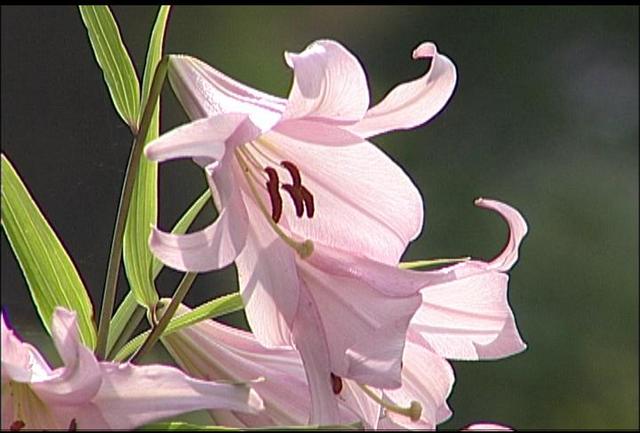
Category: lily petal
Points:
column 21, row 362
column 329, row 84
column 367, row 410
column 469, row 317
column 517, row 231
column 342, row 180
column 204, row 91
column 311, row 342
column 206, row 138
column 212, row 350
column 485, row 426
column 268, row 281
column 415, row 102
column 215, row 247
column 426, row 378
column 80, row 379
column 460, row 317
column 313, row 132
column 135, row 395
column 220, row 243
column 356, row 316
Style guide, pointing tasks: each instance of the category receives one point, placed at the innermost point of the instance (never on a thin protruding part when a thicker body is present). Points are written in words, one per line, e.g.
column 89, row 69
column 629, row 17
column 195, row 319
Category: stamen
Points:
column 296, row 196
column 73, row 425
column 293, row 170
column 414, row 411
column 305, row 248
column 276, row 200
column 17, row 425
column 308, row 201
column 336, row 384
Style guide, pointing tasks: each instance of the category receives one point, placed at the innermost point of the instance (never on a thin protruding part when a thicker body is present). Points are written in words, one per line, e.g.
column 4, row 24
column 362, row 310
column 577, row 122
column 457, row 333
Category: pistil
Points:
column 414, row 411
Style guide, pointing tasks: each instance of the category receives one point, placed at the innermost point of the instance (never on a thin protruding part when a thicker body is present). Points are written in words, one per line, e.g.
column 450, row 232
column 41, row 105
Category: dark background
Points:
column 544, row 117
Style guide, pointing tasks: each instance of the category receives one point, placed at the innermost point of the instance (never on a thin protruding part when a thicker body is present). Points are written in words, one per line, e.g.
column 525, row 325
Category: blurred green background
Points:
column 544, row 117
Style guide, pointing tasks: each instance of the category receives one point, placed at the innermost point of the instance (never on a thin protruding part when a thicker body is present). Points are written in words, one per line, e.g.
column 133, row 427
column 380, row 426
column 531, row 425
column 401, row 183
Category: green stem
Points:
column 128, row 330
column 110, row 284
column 158, row 329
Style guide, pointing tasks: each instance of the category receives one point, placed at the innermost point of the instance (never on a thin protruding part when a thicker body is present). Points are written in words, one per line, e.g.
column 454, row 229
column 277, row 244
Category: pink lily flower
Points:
column 292, row 178
column 87, row 394
column 473, row 314
column 211, row 350
column 465, row 318
column 486, row 427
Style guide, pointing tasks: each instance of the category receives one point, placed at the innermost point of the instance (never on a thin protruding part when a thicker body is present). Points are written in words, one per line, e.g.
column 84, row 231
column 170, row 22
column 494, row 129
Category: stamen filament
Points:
column 259, row 146
column 414, row 411
column 305, row 248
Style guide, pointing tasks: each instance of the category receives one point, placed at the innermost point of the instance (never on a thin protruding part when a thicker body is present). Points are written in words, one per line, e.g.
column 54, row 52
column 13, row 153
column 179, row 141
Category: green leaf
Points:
column 183, row 224
column 144, row 202
column 431, row 262
column 217, row 307
column 179, row 425
column 154, row 53
column 121, row 319
column 51, row 275
column 117, row 68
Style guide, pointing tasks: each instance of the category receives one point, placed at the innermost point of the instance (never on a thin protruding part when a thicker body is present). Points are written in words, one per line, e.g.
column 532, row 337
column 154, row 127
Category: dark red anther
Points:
column 17, row 425
column 73, row 425
column 308, row 201
column 274, row 194
column 293, row 170
column 336, row 384
column 297, row 197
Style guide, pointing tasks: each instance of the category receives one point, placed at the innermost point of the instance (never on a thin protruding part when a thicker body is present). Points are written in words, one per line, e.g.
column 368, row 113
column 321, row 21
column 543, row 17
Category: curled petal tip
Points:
column 288, row 58
column 425, row 49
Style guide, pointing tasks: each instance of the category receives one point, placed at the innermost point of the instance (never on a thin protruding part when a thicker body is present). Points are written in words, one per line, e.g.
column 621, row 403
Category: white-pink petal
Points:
column 329, row 84
column 204, row 91
column 21, row 362
column 485, row 426
column 207, row 138
column 312, row 342
column 469, row 317
column 88, row 394
column 316, row 133
column 353, row 186
column 426, row 378
column 220, row 243
column 214, row 247
column 268, row 281
column 517, row 231
column 364, row 324
column 458, row 317
column 80, row 379
column 135, row 395
column 415, row 102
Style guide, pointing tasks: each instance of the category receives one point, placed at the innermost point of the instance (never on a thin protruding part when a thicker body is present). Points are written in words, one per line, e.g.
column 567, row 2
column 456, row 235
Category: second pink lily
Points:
column 467, row 318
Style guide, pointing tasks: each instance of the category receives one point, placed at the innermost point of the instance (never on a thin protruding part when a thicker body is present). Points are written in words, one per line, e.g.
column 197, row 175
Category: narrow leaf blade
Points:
column 50, row 273
column 143, row 213
column 217, row 307
column 112, row 57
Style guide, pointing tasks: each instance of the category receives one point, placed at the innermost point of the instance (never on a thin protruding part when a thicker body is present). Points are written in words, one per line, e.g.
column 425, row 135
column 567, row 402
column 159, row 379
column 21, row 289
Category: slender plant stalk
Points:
column 110, row 284
column 158, row 329
column 128, row 330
